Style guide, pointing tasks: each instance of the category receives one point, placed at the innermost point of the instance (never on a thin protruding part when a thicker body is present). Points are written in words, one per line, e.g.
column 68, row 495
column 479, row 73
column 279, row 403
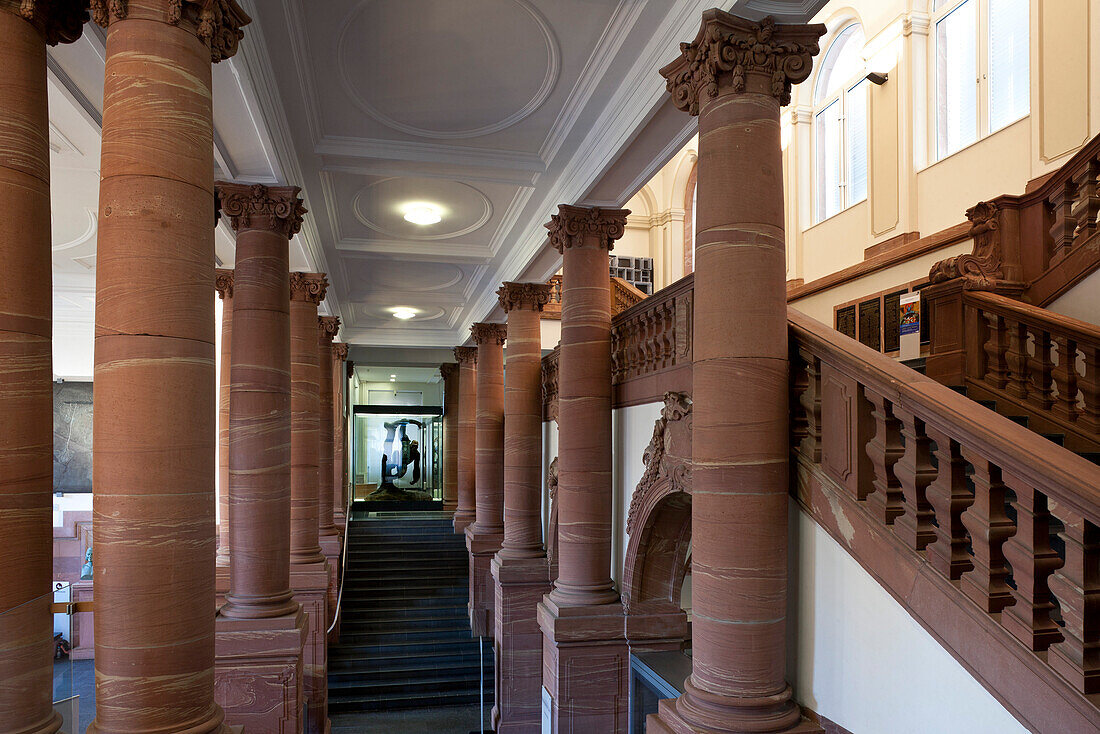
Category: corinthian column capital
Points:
column 486, row 333
column 59, row 21
column 223, row 283
column 732, row 55
column 573, row 226
column 531, row 296
column 340, row 351
column 217, row 23
column 328, row 327
column 255, row 206
column 466, row 355
column 308, row 287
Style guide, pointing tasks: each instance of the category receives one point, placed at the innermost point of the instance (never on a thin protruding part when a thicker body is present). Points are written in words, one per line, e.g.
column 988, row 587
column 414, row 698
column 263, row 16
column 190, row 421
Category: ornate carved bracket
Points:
column 532, row 296
column 569, row 227
column 487, row 333
column 731, row 54
column 668, row 456
column 308, row 287
column 223, row 282
column 983, row 269
column 255, row 206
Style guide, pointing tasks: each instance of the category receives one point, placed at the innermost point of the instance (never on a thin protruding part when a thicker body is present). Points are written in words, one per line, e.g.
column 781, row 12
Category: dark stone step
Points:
column 428, row 685
column 428, row 635
column 387, row 624
column 391, row 703
column 455, row 646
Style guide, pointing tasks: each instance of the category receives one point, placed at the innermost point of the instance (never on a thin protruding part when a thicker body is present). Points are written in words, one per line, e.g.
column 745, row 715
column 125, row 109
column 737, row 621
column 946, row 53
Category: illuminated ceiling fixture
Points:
column 422, row 214
column 404, row 313
column 393, row 377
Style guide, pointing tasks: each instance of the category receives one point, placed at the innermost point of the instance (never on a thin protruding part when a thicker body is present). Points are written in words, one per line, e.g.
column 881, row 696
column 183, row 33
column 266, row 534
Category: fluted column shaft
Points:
column 224, row 284
column 450, row 437
column 489, row 491
column 307, row 290
column 26, row 389
column 741, row 435
column 153, row 468
column 467, row 437
column 327, row 328
column 259, row 401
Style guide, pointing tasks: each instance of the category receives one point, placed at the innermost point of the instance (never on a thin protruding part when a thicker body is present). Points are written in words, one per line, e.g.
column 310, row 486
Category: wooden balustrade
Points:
column 976, row 496
column 623, row 296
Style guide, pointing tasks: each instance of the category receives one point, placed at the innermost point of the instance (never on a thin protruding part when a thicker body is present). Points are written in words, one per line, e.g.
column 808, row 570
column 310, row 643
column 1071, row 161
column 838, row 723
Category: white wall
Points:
column 863, row 662
column 549, row 453
column 631, row 429
column 550, row 330
column 432, row 391
column 1082, row 301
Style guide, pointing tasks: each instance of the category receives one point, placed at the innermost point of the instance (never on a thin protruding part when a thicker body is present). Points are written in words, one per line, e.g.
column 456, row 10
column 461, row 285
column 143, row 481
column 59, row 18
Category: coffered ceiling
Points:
column 488, row 112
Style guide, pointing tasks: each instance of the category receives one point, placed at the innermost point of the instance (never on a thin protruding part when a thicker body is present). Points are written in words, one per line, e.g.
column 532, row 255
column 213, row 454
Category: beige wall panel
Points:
column 1063, row 77
column 885, row 152
column 836, row 243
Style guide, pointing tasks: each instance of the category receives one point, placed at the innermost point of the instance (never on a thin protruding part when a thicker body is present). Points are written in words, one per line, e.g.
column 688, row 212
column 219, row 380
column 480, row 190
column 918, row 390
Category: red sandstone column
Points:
column 327, row 328
column 26, row 389
column 520, row 569
column 484, row 537
column 735, row 76
column 223, row 283
column 585, row 659
column 467, row 437
column 153, row 467
column 339, row 433
column 449, row 373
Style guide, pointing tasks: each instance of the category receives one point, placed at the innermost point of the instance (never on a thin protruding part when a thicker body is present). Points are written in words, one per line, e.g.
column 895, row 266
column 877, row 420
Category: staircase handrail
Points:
column 343, row 563
column 1055, row 323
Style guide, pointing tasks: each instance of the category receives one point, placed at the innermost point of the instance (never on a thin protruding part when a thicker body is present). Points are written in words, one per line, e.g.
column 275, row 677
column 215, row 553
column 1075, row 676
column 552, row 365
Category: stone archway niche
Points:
column 659, row 526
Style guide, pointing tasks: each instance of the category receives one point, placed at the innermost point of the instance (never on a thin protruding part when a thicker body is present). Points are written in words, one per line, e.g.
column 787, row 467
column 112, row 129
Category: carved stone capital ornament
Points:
column 531, row 296
column 217, row 23
column 59, row 21
column 308, row 287
column 255, row 206
column 328, row 326
column 223, row 283
column 734, row 55
column 573, row 224
column 486, row 333
column 448, row 370
column 340, row 351
column 466, row 355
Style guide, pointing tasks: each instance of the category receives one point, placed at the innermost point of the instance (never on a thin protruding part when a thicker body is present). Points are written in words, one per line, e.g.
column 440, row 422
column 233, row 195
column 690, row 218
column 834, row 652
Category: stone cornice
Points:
column 328, row 327
column 255, row 206
column 532, row 296
column 308, row 287
column 466, row 355
column 339, row 351
column 570, row 225
column 734, row 55
column 217, row 23
column 447, row 370
column 59, row 21
column 223, row 282
column 488, row 333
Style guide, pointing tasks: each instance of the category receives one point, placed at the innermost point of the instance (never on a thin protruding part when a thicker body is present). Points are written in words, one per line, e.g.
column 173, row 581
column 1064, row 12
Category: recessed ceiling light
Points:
column 404, row 313
column 422, row 214
column 393, row 377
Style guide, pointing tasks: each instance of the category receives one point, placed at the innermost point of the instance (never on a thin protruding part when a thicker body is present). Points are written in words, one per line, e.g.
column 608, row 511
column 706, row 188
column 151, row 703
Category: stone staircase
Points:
column 405, row 634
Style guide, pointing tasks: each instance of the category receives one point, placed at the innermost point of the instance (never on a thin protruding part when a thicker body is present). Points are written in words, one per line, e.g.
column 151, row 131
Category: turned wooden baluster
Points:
column 1017, row 358
column 1086, row 204
column 915, row 472
column 1040, row 390
column 989, row 527
column 1076, row 585
column 885, row 500
column 1061, row 232
column 1033, row 561
column 949, row 497
column 1065, row 378
column 996, row 369
column 1089, row 384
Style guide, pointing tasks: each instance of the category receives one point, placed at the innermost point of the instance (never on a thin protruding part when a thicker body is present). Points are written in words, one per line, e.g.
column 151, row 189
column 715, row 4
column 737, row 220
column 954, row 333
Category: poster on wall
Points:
column 909, row 326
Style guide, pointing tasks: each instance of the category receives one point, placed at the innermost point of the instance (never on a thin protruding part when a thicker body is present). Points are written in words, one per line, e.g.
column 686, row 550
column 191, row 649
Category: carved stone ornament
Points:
column 447, row 370
column 552, row 488
column 983, row 269
column 217, row 23
column 732, row 54
column 571, row 224
column 523, row 295
column 223, row 282
column 466, row 355
column 668, row 456
column 308, row 287
column 255, row 206
column 328, row 326
column 340, row 351
column 486, row 333
column 59, row 21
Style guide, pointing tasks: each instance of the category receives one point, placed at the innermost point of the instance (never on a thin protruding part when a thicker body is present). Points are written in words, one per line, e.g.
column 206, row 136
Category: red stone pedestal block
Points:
column 520, row 584
column 83, row 639
column 482, row 548
column 585, row 666
column 260, row 672
column 310, row 584
column 656, row 625
column 466, row 439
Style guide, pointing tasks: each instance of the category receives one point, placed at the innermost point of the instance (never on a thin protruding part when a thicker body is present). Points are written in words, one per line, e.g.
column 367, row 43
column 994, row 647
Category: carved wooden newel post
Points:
column 735, row 76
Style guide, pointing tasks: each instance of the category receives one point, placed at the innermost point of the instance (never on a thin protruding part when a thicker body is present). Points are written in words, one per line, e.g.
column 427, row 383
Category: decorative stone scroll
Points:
column 667, row 458
column 329, row 326
column 572, row 223
column 467, row 355
column 255, row 206
column 340, row 351
column 550, row 385
column 736, row 55
column 447, row 370
column 533, row 296
column 217, row 23
column 59, row 21
column 486, row 333
column 308, row 287
column 223, row 283
column 983, row 269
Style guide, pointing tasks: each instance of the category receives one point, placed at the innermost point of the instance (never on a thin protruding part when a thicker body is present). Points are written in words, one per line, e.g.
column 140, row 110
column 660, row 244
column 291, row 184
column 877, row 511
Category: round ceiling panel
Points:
column 385, row 314
column 445, row 69
column 384, row 204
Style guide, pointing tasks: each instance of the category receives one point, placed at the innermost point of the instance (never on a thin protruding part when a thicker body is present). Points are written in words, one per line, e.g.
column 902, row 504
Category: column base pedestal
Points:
column 309, row 581
column 667, row 720
column 520, row 584
column 585, row 667
column 331, row 546
column 462, row 522
column 340, row 520
column 482, row 546
column 656, row 625
column 258, row 672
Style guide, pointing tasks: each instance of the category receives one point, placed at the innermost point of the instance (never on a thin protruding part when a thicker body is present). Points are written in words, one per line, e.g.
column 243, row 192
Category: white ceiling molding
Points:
column 91, row 223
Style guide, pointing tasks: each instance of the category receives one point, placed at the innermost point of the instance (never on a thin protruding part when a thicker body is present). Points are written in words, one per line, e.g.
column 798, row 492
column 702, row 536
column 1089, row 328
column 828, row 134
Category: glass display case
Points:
column 397, row 450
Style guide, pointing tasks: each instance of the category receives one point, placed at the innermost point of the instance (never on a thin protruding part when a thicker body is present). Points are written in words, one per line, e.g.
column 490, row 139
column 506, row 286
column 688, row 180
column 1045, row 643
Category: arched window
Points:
column 982, row 69
column 840, row 125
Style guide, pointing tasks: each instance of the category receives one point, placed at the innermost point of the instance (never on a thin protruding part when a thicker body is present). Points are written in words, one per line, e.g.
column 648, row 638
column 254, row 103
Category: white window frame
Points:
column 982, row 87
